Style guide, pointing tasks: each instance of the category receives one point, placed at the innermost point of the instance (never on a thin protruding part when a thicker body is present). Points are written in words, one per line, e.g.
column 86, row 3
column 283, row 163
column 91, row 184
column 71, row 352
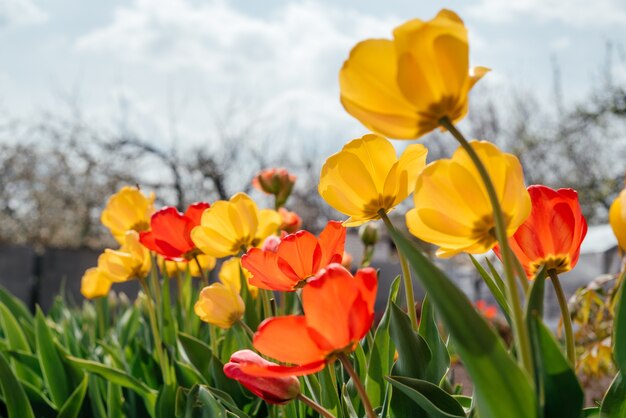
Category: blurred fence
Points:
column 37, row 277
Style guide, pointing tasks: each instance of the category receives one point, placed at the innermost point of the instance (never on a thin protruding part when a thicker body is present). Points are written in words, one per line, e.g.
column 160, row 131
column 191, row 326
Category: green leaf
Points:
column 534, row 304
column 614, row 402
column 413, row 352
column 501, row 388
column 413, row 359
column 429, row 397
column 50, row 362
column 118, row 377
column 619, row 327
column 200, row 403
column 198, row 353
column 593, row 412
column 428, row 329
column 71, row 407
column 563, row 396
column 380, row 359
column 166, row 402
column 17, row 307
column 348, row 408
column 115, row 399
column 496, row 286
column 15, row 398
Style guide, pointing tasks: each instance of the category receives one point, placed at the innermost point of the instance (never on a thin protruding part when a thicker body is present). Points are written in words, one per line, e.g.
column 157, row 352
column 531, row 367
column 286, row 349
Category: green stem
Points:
column 522, row 339
column 567, row 319
column 267, row 306
column 315, row 406
column 406, row 275
column 203, row 277
column 246, row 328
column 158, row 345
column 367, row 405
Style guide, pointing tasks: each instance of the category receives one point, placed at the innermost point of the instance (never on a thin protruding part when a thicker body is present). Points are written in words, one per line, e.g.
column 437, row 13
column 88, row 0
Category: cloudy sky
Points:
column 163, row 66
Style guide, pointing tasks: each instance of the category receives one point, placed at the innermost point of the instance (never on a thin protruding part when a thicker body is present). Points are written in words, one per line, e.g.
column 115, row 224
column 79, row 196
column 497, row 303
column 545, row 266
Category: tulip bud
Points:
column 291, row 222
column 276, row 181
column 219, row 305
column 275, row 390
column 368, row 234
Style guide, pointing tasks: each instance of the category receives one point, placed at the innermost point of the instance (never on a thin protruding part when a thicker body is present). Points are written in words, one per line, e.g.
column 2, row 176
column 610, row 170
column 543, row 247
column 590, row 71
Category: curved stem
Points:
column 315, row 406
column 203, row 277
column 522, row 339
column 406, row 275
column 367, row 405
column 246, row 328
column 567, row 319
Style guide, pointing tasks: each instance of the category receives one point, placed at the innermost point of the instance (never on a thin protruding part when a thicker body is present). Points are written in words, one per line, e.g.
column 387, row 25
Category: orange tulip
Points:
column 338, row 312
column 297, row 257
column 553, row 232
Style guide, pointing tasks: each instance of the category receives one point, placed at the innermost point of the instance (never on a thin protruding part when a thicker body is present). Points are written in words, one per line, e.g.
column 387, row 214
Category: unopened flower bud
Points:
column 291, row 222
column 275, row 390
column 368, row 234
column 276, row 181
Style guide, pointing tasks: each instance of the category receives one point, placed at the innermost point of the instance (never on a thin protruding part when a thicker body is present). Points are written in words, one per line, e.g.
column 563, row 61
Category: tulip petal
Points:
column 287, row 339
column 282, row 371
column 327, row 301
column 332, row 242
column 301, row 252
column 266, row 274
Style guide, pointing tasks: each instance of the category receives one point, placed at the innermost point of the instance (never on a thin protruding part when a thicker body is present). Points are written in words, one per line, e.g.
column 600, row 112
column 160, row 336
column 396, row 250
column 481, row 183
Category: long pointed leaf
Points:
column 501, row 388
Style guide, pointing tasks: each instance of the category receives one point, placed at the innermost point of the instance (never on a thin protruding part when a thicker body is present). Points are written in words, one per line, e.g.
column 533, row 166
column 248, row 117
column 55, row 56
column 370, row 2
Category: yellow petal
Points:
column 229, row 275
column 268, row 224
column 452, row 209
column 219, row 305
column 401, row 179
column 617, row 219
column 128, row 209
column 94, row 284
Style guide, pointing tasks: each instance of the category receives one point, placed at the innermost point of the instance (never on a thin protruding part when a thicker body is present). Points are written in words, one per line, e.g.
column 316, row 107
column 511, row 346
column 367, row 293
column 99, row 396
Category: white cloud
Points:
column 287, row 63
column 20, row 12
column 560, row 43
column 570, row 12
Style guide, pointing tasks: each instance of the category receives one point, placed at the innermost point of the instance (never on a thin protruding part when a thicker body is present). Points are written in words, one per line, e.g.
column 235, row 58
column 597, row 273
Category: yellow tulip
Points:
column 229, row 275
column 94, row 284
column 366, row 176
column 132, row 260
column 229, row 227
column 129, row 209
column 617, row 219
column 401, row 88
column 452, row 209
column 219, row 305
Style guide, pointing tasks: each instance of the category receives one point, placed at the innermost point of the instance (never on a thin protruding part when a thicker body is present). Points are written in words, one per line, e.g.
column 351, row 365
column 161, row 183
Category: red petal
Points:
column 266, row 274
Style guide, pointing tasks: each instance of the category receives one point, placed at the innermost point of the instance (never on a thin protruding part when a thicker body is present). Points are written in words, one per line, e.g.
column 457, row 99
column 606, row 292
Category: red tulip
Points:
column 296, row 258
column 170, row 230
column 553, row 232
column 338, row 312
column 276, row 390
